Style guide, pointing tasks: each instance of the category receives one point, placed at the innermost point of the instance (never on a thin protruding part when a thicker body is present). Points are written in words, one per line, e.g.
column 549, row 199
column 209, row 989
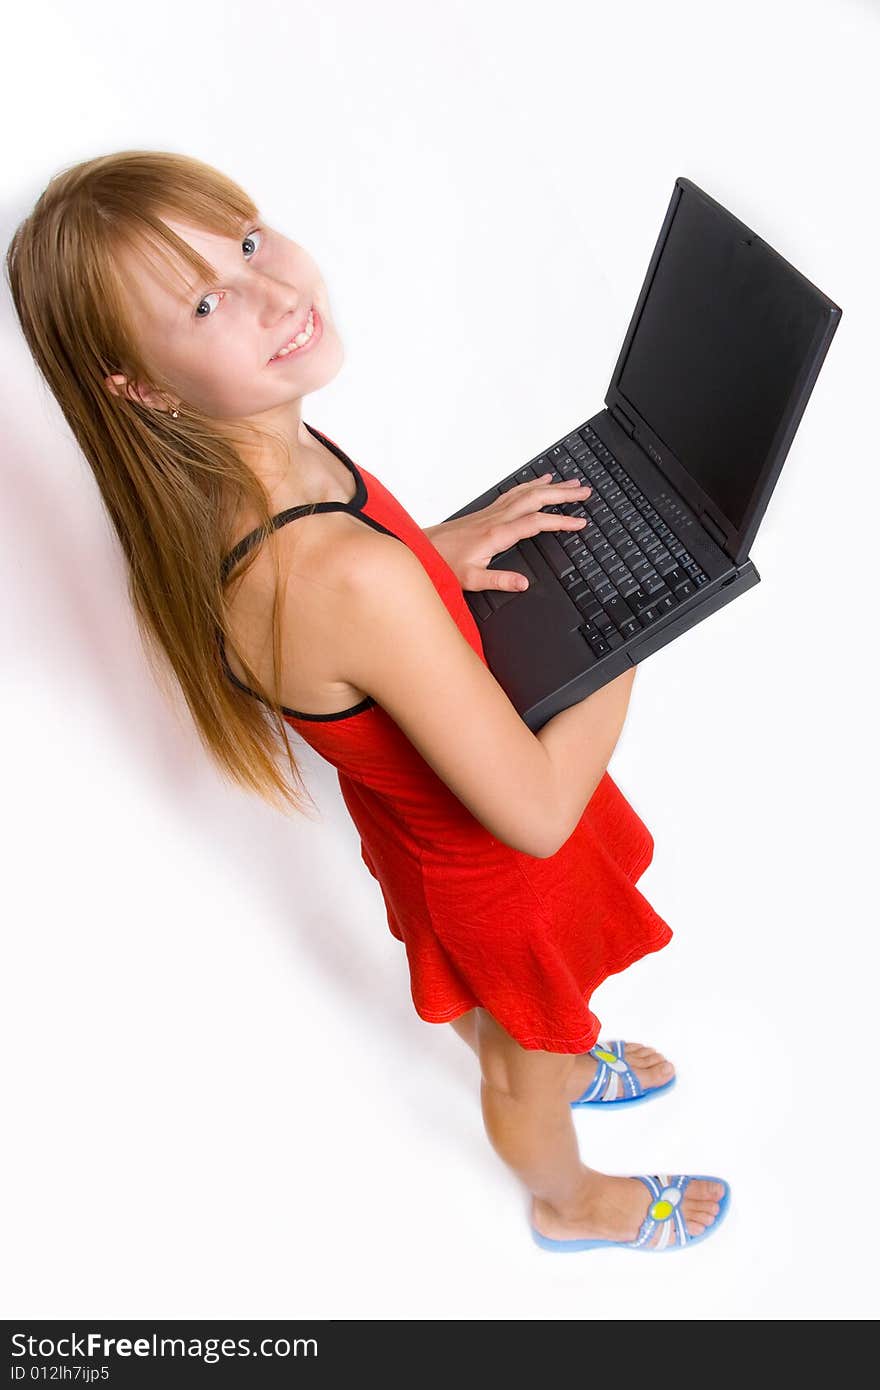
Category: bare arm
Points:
column 580, row 741
column 396, row 640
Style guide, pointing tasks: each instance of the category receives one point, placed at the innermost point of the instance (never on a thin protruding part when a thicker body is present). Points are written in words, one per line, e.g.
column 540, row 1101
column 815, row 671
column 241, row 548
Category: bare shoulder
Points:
column 319, row 556
column 316, row 553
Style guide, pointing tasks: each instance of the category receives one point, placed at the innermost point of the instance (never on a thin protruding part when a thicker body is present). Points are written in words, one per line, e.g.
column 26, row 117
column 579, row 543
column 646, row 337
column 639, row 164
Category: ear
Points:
column 119, row 385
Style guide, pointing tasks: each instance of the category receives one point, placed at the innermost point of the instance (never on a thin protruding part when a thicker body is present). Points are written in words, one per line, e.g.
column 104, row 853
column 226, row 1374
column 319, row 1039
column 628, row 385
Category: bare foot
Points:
column 614, row 1209
column 650, row 1066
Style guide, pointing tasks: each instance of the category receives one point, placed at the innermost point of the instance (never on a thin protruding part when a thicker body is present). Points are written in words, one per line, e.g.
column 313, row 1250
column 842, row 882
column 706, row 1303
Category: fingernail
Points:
column 522, row 583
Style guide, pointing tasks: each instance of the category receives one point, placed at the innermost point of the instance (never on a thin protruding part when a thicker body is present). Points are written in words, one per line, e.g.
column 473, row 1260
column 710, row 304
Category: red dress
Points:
column 483, row 924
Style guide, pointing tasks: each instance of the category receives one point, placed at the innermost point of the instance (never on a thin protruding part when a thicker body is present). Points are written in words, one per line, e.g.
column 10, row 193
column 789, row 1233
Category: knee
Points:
column 517, row 1071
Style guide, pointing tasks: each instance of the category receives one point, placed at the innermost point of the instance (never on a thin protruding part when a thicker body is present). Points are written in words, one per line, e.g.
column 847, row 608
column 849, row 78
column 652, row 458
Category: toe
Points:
column 704, row 1211
column 701, row 1190
column 646, row 1058
column 694, row 1227
column 655, row 1076
column 698, row 1213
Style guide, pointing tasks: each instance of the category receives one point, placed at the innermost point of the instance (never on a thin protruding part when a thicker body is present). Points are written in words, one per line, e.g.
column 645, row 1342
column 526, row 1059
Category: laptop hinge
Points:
column 623, row 420
column 714, row 531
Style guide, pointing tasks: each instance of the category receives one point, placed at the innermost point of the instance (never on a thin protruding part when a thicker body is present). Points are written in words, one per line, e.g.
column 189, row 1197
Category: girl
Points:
column 179, row 334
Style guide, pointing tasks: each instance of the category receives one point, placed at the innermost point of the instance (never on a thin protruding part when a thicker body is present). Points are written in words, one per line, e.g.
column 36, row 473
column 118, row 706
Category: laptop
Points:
column 720, row 358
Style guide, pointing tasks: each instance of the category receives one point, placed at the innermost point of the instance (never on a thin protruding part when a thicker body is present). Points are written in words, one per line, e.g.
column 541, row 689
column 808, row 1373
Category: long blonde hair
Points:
column 170, row 486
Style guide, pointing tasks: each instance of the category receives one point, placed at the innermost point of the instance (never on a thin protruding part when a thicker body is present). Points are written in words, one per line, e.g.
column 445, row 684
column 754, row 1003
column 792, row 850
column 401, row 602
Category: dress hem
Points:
column 538, row 1042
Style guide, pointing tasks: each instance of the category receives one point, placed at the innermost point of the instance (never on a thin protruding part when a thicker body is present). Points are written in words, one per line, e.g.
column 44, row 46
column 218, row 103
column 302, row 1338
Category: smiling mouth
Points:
column 300, row 340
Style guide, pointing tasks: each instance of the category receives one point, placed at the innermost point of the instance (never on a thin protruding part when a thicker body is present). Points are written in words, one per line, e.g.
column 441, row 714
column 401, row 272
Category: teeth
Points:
column 299, row 339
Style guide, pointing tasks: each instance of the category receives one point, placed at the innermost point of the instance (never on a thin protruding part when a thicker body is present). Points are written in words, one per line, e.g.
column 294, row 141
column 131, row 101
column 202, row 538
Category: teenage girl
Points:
column 179, row 333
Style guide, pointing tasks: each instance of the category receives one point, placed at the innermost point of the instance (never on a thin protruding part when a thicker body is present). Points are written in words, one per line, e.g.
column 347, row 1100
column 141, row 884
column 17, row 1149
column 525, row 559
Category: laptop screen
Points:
column 722, row 339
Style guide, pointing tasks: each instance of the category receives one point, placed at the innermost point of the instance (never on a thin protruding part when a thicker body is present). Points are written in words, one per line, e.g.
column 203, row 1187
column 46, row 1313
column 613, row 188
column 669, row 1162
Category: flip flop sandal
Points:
column 664, row 1211
column 615, row 1083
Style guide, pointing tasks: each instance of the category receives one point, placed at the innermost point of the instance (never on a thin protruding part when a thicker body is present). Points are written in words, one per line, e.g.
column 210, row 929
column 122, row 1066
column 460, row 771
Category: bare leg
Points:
column 466, row 1028
column 649, row 1065
column 528, row 1120
column 526, row 1115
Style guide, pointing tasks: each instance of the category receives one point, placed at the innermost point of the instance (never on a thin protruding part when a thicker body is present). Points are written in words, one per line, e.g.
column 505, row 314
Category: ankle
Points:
column 582, row 1073
column 576, row 1204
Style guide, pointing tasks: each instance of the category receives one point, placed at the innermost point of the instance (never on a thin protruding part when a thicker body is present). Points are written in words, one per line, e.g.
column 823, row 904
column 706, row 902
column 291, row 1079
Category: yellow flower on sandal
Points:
column 664, row 1213
column 615, row 1082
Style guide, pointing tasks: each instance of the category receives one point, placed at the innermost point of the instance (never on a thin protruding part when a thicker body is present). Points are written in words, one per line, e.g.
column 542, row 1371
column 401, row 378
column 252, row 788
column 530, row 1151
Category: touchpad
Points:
column 512, row 559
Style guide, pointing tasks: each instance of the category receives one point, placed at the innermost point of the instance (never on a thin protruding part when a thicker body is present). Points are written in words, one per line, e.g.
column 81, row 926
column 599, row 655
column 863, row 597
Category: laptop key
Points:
column 631, row 628
column 590, row 607
column 556, row 454
column 586, row 600
column 640, row 600
column 614, row 639
column 599, row 645
column 525, row 475
column 619, row 610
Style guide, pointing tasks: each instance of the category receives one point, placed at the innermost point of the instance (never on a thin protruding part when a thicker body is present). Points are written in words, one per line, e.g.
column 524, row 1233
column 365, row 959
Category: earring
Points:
column 174, row 414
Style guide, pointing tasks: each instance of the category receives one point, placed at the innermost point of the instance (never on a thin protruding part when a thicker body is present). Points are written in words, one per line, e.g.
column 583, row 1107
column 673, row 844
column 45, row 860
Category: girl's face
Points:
column 214, row 341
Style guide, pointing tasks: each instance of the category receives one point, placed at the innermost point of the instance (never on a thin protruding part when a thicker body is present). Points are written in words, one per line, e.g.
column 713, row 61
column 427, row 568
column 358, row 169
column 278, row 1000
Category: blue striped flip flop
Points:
column 664, row 1211
column 615, row 1082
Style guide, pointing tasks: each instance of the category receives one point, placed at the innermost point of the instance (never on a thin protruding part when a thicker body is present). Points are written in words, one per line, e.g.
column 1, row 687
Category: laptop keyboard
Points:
column 626, row 569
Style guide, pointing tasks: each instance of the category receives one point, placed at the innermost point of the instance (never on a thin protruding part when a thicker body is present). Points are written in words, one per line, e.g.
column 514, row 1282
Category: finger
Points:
column 570, row 485
column 546, row 481
column 558, row 521
column 551, row 494
column 505, row 579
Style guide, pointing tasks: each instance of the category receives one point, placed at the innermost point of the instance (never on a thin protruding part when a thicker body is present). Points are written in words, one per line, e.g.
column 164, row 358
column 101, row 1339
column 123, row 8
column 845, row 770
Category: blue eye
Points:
column 214, row 293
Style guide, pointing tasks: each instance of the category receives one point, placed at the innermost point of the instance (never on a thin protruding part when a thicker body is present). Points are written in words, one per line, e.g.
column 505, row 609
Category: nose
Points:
column 279, row 301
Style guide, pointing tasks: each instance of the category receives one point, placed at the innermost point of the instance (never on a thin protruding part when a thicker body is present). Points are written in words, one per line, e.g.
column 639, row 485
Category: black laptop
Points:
column 720, row 358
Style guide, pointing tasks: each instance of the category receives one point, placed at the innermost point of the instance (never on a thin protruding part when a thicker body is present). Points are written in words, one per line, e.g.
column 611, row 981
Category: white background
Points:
column 222, row 1102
